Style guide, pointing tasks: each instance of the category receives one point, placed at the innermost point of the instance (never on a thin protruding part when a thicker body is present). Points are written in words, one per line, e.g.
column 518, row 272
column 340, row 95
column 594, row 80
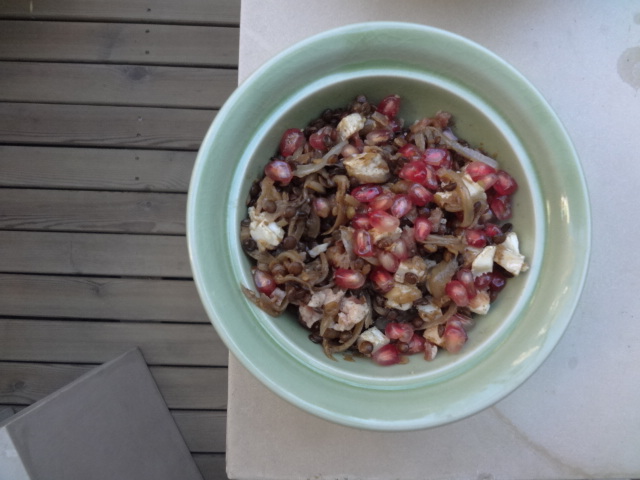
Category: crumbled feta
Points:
column 309, row 315
column 352, row 312
column 483, row 263
column 324, row 297
column 318, row 249
column 267, row 234
column 448, row 200
column 415, row 265
column 481, row 303
column 402, row 296
column 367, row 167
column 349, row 125
column 431, row 334
column 508, row 255
column 373, row 336
column 429, row 312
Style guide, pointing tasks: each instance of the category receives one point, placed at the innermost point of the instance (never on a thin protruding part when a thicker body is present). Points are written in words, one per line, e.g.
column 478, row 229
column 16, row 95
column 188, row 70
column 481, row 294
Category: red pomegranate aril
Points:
column 383, row 222
column 416, row 344
column 362, row 245
column 401, row 206
column 265, row 283
column 367, row 192
column 386, row 355
column 506, row 184
column 477, row 169
column 456, row 290
column 399, row 331
column 292, row 139
column 482, row 282
column 465, row 277
column 454, row 336
column 348, row 279
column 382, row 201
column 388, row 261
column 419, row 195
column 437, row 157
column 410, row 152
column 421, row 229
column 279, row 171
column 497, row 281
column 415, row 171
column 399, row 249
column 432, row 182
column 491, row 230
column 361, row 221
column 390, row 106
column 475, row 238
column 501, row 207
column 487, row 181
column 382, row 280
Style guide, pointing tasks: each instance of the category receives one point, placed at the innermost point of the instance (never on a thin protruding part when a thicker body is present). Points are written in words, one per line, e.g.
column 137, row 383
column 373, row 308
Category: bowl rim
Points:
column 527, row 368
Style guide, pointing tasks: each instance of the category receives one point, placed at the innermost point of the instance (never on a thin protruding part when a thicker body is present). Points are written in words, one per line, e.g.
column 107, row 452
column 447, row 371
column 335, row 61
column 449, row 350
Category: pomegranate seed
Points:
column 279, row 171
column 390, row 106
column 465, row 322
column 482, row 282
column 362, row 245
column 491, row 230
column 501, row 207
column 454, row 336
column 419, row 195
column 421, row 229
column 382, row 201
column 401, row 206
column 322, row 207
column 416, row 344
column 348, row 150
column 415, row 171
column 322, row 139
column 399, row 249
column 465, row 277
column 361, row 221
column 475, row 238
column 367, row 192
column 410, row 152
column 437, row 157
column 386, row 355
column 382, row 280
column 357, row 142
column 291, row 141
column 487, row 181
column 399, row 331
column 497, row 281
column 432, row 182
column 383, row 222
column 457, row 292
column 506, row 184
column 388, row 261
column 265, row 283
column 477, row 169
column 348, row 279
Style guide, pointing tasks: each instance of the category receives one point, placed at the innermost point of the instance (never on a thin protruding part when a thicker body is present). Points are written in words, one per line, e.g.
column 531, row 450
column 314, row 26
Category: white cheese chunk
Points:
column 508, row 255
column 367, row 167
column 431, row 334
column 352, row 312
column 349, row 125
column 483, row 263
column 373, row 336
column 402, row 296
column 429, row 312
column 267, row 234
column 415, row 265
column 481, row 303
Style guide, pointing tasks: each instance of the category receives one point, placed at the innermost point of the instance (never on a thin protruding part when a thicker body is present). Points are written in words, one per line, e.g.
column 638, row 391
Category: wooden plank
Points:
column 211, row 465
column 181, row 387
column 203, row 431
column 103, row 126
column 92, row 211
column 94, row 254
column 99, row 84
column 119, row 43
column 128, row 299
column 97, row 342
column 95, row 168
column 211, row 12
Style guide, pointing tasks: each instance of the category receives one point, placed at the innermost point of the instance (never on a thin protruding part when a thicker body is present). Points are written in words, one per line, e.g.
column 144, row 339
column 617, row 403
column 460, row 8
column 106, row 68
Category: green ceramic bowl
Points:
column 494, row 107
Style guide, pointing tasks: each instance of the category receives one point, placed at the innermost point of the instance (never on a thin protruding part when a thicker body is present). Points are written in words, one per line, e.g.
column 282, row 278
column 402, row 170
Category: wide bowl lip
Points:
column 522, row 374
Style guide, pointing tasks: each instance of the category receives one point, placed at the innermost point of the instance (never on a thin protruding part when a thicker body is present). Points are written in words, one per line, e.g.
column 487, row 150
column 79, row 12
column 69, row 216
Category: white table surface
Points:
column 578, row 416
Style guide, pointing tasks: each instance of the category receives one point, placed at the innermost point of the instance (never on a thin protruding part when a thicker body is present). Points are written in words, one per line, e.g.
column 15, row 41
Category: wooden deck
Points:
column 103, row 104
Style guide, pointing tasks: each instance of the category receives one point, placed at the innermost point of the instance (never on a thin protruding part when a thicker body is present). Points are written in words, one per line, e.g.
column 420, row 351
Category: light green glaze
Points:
column 494, row 107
